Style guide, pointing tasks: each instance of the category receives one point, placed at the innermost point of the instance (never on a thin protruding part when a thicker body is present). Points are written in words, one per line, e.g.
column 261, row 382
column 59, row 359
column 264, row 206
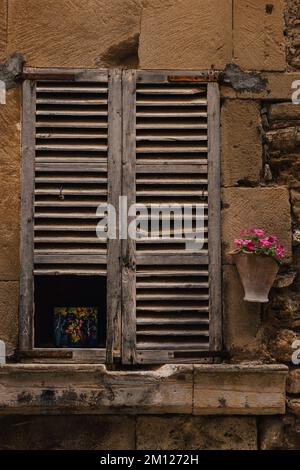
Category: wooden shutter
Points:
column 71, row 164
column 171, row 296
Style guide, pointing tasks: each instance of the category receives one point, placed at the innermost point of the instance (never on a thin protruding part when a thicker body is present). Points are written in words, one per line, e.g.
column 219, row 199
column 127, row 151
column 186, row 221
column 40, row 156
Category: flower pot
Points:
column 257, row 273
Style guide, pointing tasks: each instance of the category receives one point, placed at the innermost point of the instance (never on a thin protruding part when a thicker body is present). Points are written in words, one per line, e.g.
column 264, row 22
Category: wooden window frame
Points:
column 26, row 329
column 121, row 261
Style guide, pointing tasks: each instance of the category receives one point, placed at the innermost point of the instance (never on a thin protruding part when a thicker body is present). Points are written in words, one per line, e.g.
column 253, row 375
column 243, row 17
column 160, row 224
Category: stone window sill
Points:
column 242, row 389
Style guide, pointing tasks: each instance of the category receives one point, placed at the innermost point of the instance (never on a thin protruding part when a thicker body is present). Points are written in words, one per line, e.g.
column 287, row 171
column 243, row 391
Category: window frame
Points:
column 120, row 255
column 27, row 348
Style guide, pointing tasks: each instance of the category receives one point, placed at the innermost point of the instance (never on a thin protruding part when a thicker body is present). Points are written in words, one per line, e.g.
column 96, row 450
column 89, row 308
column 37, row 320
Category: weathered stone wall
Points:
column 128, row 432
column 148, row 433
column 260, row 178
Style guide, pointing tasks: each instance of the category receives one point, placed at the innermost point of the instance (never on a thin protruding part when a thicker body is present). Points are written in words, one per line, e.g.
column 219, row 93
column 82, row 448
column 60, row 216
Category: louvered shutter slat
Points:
column 69, row 181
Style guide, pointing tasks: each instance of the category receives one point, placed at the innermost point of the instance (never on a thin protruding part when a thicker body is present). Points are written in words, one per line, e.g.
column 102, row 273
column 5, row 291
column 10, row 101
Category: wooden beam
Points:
column 114, row 178
column 27, row 195
column 63, row 73
column 129, row 245
column 214, row 217
column 168, row 76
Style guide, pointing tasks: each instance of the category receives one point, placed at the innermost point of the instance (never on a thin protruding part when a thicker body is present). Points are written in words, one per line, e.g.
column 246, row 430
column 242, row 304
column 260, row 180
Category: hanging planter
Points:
column 257, row 257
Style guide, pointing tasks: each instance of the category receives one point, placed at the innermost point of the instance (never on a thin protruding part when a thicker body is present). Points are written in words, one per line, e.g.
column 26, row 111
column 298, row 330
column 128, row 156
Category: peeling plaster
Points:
column 11, row 69
column 241, row 80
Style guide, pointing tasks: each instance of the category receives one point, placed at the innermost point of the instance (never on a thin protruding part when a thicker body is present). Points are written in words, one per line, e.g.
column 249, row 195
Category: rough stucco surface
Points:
column 9, row 299
column 267, row 208
column 258, row 35
column 10, row 186
column 2, row 26
column 292, row 20
column 161, row 433
column 69, row 32
column 240, row 142
column 174, row 36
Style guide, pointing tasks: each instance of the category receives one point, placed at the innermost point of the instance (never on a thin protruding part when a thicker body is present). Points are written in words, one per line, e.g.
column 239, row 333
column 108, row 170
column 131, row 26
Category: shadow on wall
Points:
column 124, row 54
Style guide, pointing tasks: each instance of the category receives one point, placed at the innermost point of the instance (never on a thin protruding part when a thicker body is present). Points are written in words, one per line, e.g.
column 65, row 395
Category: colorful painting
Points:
column 75, row 327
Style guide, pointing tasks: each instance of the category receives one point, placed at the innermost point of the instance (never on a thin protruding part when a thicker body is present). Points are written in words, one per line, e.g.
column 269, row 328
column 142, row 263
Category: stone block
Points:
column 285, row 112
column 244, row 389
column 9, row 302
column 196, row 433
column 286, row 140
column 186, row 35
column 292, row 12
column 295, row 200
column 265, row 208
column 241, row 319
column 10, row 186
column 70, row 33
column 67, row 433
column 287, row 306
column 240, row 142
column 285, row 167
column 293, row 405
column 293, row 381
column 258, row 35
column 280, row 345
column 279, row 433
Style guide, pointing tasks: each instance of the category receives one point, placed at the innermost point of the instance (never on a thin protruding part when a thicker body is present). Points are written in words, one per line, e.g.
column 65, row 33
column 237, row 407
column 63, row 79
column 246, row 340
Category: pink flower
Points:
column 250, row 245
column 280, row 252
column 265, row 242
column 258, row 241
column 253, row 231
column 258, row 232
